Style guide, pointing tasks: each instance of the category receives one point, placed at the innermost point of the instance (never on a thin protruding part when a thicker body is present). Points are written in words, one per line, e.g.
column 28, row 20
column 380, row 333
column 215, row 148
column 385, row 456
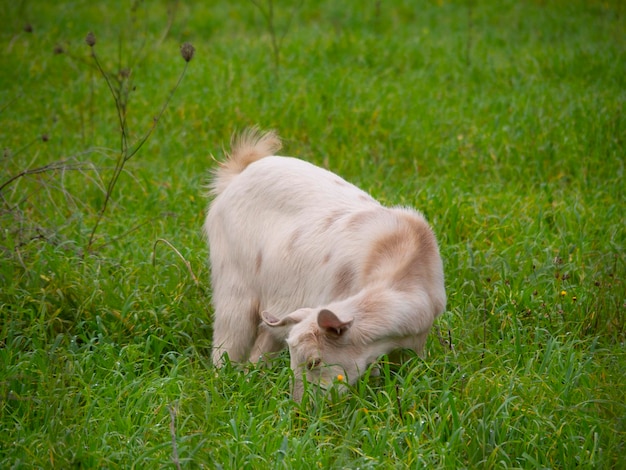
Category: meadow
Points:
column 502, row 121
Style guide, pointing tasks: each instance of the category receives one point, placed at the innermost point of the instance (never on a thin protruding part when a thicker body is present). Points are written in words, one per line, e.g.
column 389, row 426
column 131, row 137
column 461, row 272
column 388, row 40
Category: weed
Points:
column 120, row 87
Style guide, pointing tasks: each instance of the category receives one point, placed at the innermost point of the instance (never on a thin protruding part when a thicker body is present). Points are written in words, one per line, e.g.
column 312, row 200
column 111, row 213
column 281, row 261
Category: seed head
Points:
column 187, row 51
column 58, row 49
column 90, row 39
column 45, row 137
column 28, row 28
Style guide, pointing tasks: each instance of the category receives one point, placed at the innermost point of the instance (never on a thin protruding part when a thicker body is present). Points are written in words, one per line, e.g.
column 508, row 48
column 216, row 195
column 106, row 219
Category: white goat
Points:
column 302, row 258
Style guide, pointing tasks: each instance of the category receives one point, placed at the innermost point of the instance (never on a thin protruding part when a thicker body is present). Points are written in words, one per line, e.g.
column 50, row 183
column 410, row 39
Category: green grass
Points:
column 501, row 120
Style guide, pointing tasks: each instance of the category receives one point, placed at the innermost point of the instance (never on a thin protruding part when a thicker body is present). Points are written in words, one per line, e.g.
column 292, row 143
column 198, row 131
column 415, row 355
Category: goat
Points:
column 301, row 258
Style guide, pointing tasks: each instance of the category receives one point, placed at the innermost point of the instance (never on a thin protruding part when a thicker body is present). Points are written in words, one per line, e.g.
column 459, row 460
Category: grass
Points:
column 501, row 121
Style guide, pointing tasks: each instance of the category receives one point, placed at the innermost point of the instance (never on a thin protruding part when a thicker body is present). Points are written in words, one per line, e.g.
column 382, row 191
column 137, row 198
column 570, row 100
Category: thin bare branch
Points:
column 61, row 165
column 187, row 263
column 126, row 152
column 157, row 118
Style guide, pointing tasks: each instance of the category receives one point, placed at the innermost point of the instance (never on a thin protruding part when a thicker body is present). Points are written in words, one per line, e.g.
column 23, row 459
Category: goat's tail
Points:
column 249, row 146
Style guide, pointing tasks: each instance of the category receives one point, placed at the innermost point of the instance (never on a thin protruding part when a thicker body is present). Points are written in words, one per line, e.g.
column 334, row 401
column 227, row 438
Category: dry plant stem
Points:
column 399, row 403
column 158, row 116
column 269, row 19
column 446, row 344
column 171, row 15
column 61, row 165
column 126, row 152
column 187, row 263
column 24, row 147
column 122, row 235
column 119, row 164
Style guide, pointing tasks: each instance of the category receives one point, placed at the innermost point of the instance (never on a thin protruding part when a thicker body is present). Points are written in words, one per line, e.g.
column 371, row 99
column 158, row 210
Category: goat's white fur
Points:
column 302, row 258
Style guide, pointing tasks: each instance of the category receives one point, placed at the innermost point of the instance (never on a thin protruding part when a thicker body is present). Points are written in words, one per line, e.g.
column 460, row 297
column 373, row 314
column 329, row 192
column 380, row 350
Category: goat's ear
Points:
column 272, row 321
column 331, row 324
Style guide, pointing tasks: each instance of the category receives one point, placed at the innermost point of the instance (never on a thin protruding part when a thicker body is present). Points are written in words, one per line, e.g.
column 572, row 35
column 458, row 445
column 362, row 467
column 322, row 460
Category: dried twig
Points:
column 61, row 165
column 399, row 402
column 187, row 263
column 446, row 344
column 119, row 92
column 268, row 15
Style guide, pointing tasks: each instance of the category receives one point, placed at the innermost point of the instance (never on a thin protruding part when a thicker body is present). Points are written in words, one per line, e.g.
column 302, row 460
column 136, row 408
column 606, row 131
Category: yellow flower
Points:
column 340, row 377
column 563, row 293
